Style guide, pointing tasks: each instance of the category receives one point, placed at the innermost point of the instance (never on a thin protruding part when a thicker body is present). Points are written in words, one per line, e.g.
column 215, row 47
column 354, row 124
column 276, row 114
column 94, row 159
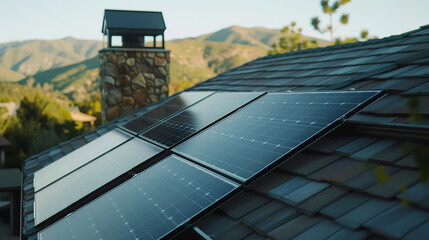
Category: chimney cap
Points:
column 126, row 21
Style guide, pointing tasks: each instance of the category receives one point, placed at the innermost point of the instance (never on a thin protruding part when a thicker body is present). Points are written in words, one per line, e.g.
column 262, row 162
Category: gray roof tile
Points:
column 305, row 192
column 356, row 145
column 321, row 230
column 263, row 212
column 348, row 234
column 321, row 200
column 356, row 217
column 397, row 221
column 394, row 184
column 276, row 219
column 239, row 231
column 288, row 187
column 243, row 204
column 373, row 149
column 344, row 205
column 293, row 227
column 421, row 232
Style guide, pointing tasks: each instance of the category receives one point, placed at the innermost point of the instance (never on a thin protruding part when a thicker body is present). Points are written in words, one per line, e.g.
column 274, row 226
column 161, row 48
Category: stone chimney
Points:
column 134, row 71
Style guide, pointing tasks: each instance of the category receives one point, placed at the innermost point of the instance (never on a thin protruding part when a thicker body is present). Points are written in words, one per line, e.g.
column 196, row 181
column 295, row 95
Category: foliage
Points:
column 343, row 20
column 330, row 10
column 291, row 40
column 37, row 127
column 91, row 106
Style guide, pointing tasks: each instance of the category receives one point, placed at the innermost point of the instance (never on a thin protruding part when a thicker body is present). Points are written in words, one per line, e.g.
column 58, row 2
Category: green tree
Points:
column 330, row 10
column 291, row 40
column 343, row 20
column 37, row 126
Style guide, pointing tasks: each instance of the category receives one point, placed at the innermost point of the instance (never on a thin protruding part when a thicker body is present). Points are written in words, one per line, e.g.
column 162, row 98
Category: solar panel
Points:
column 149, row 206
column 90, row 177
column 196, row 117
column 179, row 102
column 77, row 158
column 258, row 135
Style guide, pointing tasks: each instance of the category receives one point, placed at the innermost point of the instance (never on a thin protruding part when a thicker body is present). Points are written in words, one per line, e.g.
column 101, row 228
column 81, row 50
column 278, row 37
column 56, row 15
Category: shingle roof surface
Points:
column 330, row 190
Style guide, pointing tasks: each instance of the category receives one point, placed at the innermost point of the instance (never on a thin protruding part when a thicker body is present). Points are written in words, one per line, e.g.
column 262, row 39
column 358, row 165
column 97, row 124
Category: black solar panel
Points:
column 149, row 206
column 179, row 102
column 78, row 158
column 267, row 129
column 196, row 117
column 90, row 177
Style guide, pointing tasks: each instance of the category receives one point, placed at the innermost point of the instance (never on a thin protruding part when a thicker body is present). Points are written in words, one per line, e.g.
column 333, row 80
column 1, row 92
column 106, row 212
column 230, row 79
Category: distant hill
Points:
column 192, row 62
column 74, row 80
column 33, row 56
column 8, row 75
column 256, row 36
column 71, row 65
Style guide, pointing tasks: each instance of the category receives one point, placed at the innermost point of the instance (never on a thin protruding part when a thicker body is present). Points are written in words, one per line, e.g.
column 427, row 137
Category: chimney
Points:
column 134, row 64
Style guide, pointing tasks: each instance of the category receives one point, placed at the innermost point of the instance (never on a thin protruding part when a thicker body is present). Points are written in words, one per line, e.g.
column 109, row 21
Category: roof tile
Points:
column 393, row 185
column 305, row 192
column 373, row 149
column 356, row 217
column 397, row 221
column 321, row 200
column 321, row 230
column 263, row 212
column 421, row 232
column 348, row 234
column 276, row 220
column 243, row 204
column 237, row 232
column 293, row 227
column 288, row 187
column 356, row 145
column 345, row 204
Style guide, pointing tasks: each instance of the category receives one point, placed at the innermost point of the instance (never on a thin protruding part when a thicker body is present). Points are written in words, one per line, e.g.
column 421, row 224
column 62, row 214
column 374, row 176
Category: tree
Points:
column 330, row 10
column 330, row 28
column 291, row 40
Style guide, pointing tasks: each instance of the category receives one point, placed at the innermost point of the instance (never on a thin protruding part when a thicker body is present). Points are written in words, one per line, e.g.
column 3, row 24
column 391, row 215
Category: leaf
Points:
column 344, row 18
column 364, row 34
column 315, row 23
column 381, row 174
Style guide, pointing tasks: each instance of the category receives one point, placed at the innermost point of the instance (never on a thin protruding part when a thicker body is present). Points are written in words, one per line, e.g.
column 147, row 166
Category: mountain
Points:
column 256, row 36
column 33, row 56
column 71, row 65
column 8, row 75
column 191, row 62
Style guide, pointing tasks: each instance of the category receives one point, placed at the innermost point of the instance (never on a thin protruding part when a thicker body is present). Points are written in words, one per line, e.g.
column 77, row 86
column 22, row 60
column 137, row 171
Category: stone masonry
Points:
column 131, row 79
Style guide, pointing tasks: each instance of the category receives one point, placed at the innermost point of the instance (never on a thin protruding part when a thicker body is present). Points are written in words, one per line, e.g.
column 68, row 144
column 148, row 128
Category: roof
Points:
column 330, row 189
column 138, row 21
column 82, row 117
column 4, row 143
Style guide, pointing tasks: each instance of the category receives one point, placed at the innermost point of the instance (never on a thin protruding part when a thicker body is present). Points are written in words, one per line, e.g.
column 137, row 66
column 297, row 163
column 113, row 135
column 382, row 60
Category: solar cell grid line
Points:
column 76, row 185
column 251, row 139
column 78, row 158
column 198, row 116
column 153, row 204
column 154, row 116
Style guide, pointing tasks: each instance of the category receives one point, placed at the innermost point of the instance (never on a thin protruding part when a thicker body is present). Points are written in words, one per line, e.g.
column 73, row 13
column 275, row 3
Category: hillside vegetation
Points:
column 256, row 36
column 33, row 56
column 71, row 66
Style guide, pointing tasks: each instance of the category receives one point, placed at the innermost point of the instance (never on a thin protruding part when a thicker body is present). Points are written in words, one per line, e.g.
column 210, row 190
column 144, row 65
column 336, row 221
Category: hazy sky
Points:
column 52, row 19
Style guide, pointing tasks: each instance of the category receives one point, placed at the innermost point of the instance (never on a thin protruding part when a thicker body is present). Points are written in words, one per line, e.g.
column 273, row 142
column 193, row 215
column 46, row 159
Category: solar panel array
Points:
column 196, row 117
column 165, row 110
column 245, row 134
column 272, row 126
column 78, row 158
column 90, row 177
column 149, row 206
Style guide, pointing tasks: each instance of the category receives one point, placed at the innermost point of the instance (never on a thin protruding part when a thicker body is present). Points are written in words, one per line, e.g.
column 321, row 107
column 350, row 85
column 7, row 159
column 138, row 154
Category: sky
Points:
column 53, row 19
